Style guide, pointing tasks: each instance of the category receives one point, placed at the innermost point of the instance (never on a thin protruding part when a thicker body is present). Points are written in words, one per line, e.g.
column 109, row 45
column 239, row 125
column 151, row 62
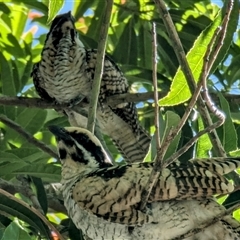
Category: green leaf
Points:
column 31, row 120
column 233, row 71
column 203, row 144
column 10, row 205
column 236, row 214
column 150, row 156
column 235, row 153
column 26, row 154
column 18, row 18
column 26, row 73
column 41, row 194
column 47, row 172
column 180, row 92
column 9, row 167
column 96, row 21
column 15, row 75
column 172, row 120
column 5, row 220
column 144, row 44
column 127, row 53
column 13, row 231
column 34, row 5
column 232, row 199
column 9, row 157
column 74, row 233
column 4, row 8
column 8, row 87
column 54, row 6
column 80, row 7
column 229, row 140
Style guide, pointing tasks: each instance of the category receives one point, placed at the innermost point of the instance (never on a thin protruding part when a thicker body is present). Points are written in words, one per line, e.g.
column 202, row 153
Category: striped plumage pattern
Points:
column 65, row 74
column 103, row 200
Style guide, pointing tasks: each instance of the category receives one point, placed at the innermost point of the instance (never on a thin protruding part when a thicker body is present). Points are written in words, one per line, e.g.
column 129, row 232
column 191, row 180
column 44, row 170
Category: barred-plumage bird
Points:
column 103, row 200
column 65, row 74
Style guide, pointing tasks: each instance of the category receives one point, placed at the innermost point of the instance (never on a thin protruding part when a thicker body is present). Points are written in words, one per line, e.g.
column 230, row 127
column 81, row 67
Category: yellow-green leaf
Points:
column 180, row 92
column 54, row 6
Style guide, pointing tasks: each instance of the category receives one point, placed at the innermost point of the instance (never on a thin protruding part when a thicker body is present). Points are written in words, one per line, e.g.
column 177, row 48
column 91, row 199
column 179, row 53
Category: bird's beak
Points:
column 60, row 133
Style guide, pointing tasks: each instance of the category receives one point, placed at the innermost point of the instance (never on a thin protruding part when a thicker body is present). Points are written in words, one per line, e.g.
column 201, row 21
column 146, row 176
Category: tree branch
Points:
column 99, row 67
column 28, row 192
column 112, row 100
column 210, row 57
column 46, row 222
column 156, row 170
column 208, row 223
column 16, row 127
column 188, row 74
column 195, row 90
column 212, row 107
column 176, row 44
column 53, row 202
column 155, row 85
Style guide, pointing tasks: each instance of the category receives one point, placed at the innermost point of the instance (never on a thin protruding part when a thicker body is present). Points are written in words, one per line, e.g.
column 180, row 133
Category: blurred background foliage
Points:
column 23, row 28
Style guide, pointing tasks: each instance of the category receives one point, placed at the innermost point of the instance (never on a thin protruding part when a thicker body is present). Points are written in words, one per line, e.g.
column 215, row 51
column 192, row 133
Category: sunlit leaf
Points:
column 203, row 144
column 180, row 92
column 54, row 6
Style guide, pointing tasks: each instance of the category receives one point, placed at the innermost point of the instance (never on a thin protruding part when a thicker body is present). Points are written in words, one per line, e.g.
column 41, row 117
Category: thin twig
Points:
column 176, row 44
column 187, row 72
column 208, row 223
column 191, row 82
column 222, row 30
column 156, row 170
column 213, row 49
column 186, row 69
column 99, row 66
column 174, row 132
column 191, row 142
column 16, row 127
column 155, row 85
column 211, row 54
column 203, row 82
column 158, row 165
column 195, row 92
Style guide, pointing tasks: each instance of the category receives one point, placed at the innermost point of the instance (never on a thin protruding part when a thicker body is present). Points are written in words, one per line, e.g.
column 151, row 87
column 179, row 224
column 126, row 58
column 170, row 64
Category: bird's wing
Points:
column 113, row 199
column 38, row 82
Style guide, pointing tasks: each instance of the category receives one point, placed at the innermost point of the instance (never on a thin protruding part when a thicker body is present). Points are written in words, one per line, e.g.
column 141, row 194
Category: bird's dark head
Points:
column 62, row 23
column 62, row 26
column 81, row 146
